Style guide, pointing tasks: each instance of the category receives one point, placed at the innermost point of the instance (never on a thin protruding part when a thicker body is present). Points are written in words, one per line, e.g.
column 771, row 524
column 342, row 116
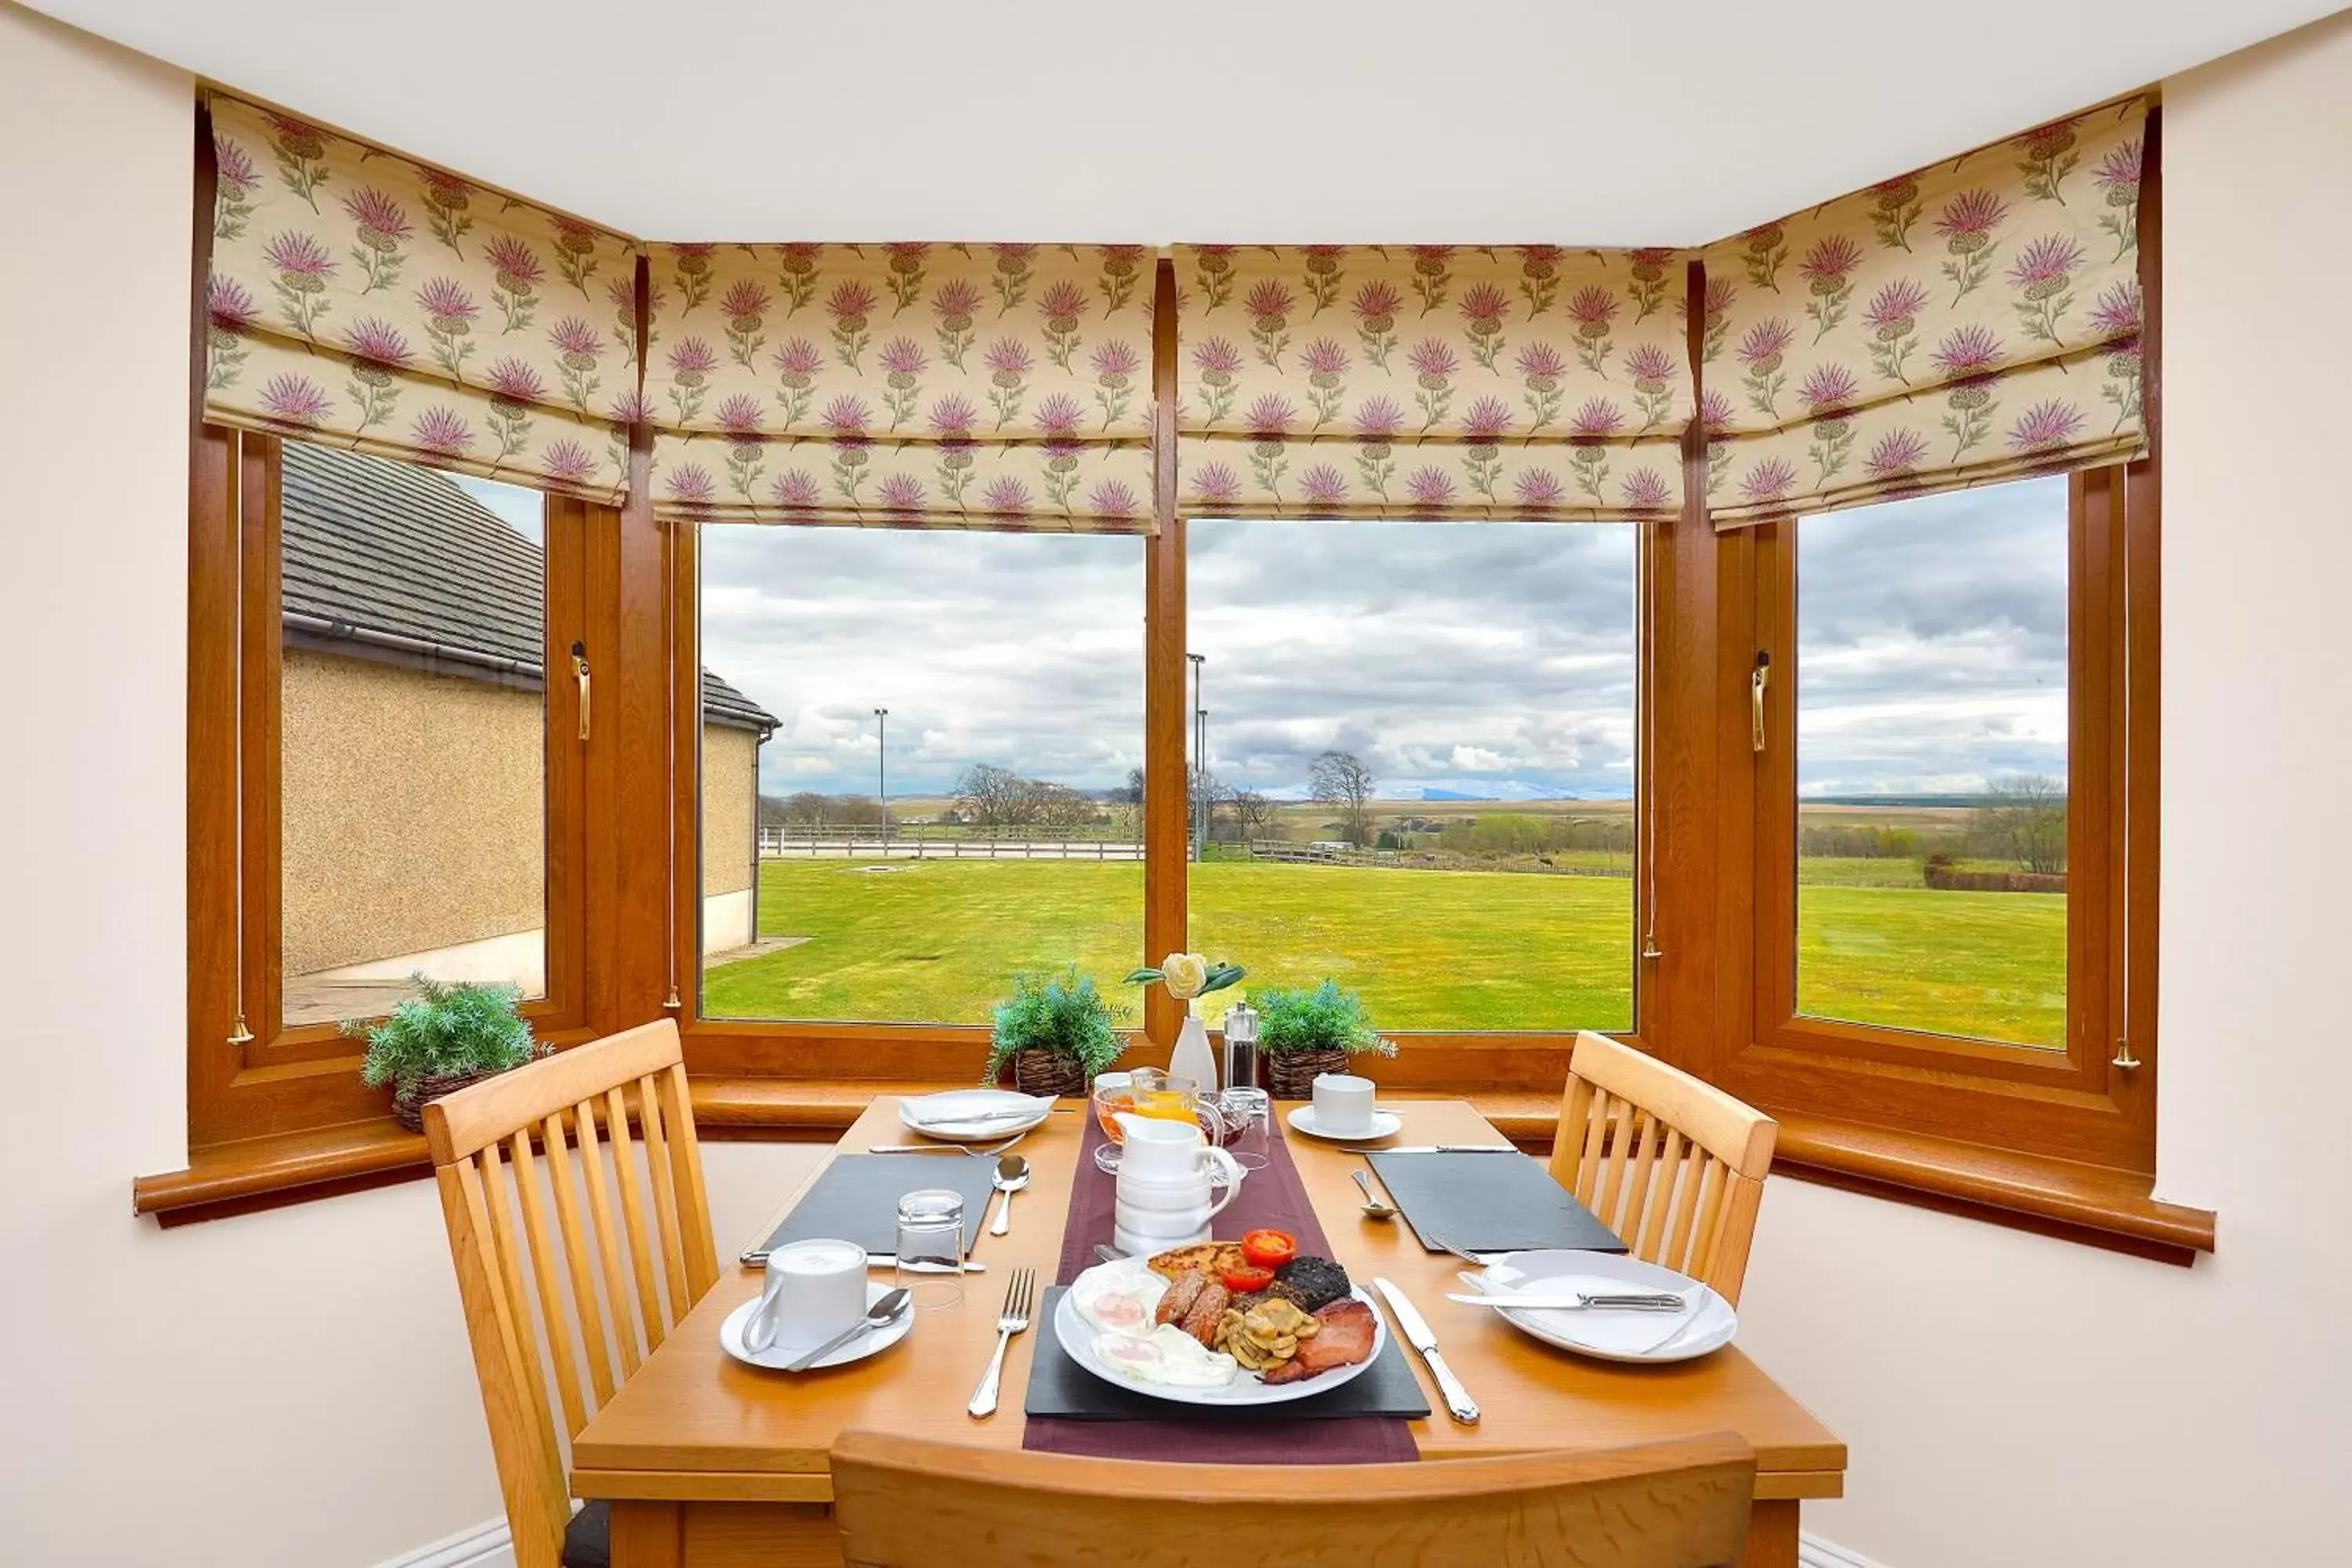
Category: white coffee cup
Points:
column 1343, row 1103
column 813, row 1289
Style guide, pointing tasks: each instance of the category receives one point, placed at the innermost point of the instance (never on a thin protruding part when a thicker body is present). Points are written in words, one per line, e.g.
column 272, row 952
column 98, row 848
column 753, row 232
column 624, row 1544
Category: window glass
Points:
column 412, row 733
column 1931, row 764
column 922, row 760
column 1419, row 766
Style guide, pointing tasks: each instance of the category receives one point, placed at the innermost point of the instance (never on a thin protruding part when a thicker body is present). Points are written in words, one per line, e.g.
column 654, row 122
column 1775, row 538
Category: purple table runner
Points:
column 1271, row 1198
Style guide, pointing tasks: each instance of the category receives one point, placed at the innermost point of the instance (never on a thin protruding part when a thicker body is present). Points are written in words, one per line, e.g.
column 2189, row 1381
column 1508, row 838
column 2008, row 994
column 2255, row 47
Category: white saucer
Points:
column 937, row 1115
column 1385, row 1124
column 778, row 1357
column 1706, row 1325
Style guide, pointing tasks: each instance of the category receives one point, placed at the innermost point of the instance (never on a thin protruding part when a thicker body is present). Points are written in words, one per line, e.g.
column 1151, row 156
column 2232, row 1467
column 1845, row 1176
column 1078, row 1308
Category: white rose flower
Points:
column 1185, row 973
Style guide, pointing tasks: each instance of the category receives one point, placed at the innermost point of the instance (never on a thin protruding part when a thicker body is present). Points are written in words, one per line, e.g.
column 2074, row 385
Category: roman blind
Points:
column 918, row 385
column 1431, row 381
column 360, row 299
column 1973, row 321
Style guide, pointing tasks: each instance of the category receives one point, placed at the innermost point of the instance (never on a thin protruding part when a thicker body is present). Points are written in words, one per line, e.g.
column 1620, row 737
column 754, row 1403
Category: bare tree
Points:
column 991, row 796
column 1045, row 804
column 1340, row 779
column 1255, row 812
column 806, row 808
column 2027, row 819
column 1130, row 793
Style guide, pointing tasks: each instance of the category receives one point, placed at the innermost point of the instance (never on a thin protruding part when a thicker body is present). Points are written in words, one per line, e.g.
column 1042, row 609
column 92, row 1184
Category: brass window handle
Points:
column 1758, row 679
column 580, row 669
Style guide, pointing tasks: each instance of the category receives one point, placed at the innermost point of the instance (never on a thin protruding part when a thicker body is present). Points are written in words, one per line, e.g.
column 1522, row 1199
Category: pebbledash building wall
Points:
column 413, row 752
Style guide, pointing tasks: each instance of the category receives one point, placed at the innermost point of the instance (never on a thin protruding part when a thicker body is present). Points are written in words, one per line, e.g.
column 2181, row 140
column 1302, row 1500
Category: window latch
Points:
column 580, row 669
column 1758, row 679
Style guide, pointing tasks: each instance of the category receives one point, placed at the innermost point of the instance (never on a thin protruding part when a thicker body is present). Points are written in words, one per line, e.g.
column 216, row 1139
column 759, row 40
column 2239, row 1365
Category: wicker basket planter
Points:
column 408, row 1104
column 1291, row 1074
column 1044, row 1072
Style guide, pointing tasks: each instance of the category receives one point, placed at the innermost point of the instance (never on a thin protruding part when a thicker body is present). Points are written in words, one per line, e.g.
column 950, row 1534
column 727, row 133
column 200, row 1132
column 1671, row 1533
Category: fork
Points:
column 1020, row 1293
column 1480, row 1259
column 945, row 1147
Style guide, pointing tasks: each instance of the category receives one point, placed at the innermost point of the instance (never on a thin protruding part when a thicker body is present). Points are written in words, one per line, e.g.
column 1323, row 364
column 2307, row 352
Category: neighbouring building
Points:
column 412, row 754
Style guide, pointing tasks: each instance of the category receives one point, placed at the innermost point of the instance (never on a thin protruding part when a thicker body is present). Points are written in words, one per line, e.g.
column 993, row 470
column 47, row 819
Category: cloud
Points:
column 1491, row 657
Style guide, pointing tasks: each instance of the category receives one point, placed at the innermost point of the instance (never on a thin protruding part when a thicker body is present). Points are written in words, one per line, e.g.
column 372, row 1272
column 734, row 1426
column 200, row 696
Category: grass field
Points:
column 937, row 941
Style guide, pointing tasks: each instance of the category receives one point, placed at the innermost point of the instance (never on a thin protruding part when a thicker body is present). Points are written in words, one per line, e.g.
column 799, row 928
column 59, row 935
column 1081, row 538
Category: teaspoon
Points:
column 1373, row 1207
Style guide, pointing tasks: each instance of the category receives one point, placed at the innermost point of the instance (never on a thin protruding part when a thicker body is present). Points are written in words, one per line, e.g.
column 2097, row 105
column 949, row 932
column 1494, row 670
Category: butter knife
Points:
column 1415, row 1328
column 1443, row 1149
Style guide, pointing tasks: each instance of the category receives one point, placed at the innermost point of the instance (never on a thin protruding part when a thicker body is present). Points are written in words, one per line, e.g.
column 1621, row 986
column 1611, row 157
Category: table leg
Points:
column 648, row 1534
column 1771, row 1537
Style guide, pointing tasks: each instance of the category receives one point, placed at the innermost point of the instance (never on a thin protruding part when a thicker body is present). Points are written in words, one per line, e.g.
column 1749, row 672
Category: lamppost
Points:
column 882, row 767
column 1199, row 760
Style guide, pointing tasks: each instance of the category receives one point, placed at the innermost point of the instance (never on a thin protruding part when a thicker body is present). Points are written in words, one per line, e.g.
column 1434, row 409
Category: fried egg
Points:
column 1167, row 1355
column 1118, row 1297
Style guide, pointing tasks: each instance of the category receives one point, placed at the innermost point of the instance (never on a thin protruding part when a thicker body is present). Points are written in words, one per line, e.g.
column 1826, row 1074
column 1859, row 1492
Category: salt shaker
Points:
column 1241, row 1046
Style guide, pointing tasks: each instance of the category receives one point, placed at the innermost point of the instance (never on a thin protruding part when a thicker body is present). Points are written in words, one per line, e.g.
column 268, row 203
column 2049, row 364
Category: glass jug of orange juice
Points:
column 1145, row 1092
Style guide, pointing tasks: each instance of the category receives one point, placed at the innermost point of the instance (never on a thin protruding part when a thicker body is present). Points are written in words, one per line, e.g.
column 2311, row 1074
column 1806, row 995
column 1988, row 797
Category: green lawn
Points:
column 938, row 940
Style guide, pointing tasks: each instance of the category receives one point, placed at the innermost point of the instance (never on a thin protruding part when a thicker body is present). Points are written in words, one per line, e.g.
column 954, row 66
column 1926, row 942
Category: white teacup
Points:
column 1343, row 1103
column 813, row 1289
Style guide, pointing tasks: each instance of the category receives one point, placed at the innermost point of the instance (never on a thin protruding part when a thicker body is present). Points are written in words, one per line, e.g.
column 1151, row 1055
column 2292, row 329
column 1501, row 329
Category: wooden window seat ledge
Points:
column 2076, row 1202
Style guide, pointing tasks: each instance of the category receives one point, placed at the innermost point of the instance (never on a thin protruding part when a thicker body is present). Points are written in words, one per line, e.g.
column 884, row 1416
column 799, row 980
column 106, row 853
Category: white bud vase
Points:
column 1192, row 1058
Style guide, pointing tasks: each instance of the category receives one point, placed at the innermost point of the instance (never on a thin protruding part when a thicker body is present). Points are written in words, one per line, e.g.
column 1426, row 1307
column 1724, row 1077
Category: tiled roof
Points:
column 401, row 551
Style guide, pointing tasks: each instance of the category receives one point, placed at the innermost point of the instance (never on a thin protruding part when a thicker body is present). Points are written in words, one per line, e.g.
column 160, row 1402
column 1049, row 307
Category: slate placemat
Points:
column 1490, row 1202
column 1060, row 1386
column 856, row 1199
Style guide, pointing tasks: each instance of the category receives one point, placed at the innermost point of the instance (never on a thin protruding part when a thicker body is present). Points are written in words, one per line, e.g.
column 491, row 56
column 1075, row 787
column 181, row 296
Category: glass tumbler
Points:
column 1248, row 1115
column 931, row 1248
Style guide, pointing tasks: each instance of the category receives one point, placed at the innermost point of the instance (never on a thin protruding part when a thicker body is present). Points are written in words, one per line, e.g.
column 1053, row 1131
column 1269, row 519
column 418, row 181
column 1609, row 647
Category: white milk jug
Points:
column 1166, row 1179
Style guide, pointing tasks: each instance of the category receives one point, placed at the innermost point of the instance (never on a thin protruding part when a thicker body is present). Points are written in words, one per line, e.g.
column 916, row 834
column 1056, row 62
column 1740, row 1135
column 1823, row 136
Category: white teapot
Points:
column 1166, row 1177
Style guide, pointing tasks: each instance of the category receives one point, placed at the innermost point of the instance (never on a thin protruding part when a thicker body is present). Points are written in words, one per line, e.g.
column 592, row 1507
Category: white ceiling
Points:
column 1367, row 121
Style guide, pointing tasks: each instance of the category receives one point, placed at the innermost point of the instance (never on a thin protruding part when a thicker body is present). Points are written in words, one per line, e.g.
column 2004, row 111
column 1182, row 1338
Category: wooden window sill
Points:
column 2054, row 1197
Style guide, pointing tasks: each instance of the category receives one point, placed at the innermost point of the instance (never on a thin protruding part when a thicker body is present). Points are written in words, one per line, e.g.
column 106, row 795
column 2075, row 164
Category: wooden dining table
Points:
column 707, row 1463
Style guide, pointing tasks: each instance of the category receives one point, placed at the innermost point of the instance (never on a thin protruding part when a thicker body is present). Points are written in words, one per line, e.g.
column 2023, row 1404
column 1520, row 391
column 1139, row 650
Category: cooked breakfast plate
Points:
column 1192, row 1339
column 973, row 1115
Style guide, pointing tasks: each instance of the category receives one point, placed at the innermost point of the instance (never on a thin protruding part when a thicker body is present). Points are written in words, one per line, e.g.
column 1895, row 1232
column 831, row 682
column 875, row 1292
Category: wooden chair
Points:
column 903, row 1502
column 1675, row 1166
column 591, row 1313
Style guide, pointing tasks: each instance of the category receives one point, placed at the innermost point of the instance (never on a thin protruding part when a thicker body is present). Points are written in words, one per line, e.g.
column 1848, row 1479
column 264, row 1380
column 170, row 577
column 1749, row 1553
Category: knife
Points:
column 1444, row 1149
column 1415, row 1328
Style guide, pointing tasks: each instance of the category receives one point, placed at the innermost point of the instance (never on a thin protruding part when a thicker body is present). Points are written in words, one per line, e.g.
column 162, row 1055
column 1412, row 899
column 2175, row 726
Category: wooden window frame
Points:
column 2075, row 1103
column 1507, row 1062
column 303, row 1078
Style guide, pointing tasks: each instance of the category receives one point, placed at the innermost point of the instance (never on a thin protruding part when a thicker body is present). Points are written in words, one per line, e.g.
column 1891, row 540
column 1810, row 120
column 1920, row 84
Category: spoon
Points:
column 1373, row 1207
column 1012, row 1175
column 880, row 1315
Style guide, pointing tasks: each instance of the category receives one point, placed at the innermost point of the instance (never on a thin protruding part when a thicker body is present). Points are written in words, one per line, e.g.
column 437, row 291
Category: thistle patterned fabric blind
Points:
column 362, row 299
column 1431, row 382
column 1971, row 322
column 999, row 386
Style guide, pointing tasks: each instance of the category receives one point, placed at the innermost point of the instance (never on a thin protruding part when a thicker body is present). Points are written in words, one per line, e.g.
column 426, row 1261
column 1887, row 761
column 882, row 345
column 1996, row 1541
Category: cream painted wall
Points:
column 2033, row 1405
column 291, row 1390
column 288, row 1390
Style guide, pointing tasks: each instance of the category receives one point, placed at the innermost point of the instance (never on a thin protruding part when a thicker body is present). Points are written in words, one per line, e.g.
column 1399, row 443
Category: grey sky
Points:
column 1488, row 659
column 1484, row 660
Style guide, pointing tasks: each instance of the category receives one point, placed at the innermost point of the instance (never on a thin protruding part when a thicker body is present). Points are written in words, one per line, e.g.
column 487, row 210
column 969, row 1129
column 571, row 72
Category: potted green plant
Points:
column 1303, row 1032
column 1056, row 1032
column 440, row 1040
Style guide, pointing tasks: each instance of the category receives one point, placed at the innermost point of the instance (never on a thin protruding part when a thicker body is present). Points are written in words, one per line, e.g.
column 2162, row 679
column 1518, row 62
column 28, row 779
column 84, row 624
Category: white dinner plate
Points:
column 1385, row 1124
column 951, row 1115
column 778, row 1357
column 1077, row 1337
column 1704, row 1325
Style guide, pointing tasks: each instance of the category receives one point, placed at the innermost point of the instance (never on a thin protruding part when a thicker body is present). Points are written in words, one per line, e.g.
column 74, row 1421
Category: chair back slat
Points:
column 556, row 1290
column 906, row 1502
column 610, row 1258
column 577, row 1258
column 555, row 1312
column 633, row 1218
column 1673, row 1165
column 665, row 1186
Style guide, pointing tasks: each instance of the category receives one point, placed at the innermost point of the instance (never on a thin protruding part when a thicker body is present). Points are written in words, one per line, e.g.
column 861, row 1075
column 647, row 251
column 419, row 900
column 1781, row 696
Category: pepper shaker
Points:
column 1241, row 1047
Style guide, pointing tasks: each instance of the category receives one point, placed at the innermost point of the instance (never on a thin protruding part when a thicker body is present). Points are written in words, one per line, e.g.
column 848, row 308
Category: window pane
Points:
column 987, row 823
column 1931, row 764
column 1420, row 774
column 413, row 751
